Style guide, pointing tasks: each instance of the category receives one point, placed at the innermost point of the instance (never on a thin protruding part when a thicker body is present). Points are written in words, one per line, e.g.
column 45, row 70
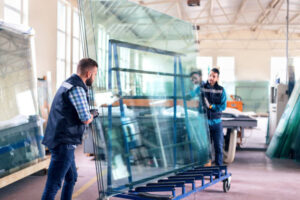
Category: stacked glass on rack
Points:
column 286, row 140
column 20, row 127
column 154, row 133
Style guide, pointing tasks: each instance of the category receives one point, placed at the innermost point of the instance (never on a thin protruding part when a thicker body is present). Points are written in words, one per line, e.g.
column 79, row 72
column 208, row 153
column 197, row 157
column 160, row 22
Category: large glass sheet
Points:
column 143, row 138
column 284, row 143
column 20, row 130
column 253, row 94
column 130, row 22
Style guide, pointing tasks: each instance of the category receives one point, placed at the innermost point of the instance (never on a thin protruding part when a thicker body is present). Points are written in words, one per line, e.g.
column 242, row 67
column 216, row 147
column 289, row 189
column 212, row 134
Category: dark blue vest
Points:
column 64, row 125
column 214, row 96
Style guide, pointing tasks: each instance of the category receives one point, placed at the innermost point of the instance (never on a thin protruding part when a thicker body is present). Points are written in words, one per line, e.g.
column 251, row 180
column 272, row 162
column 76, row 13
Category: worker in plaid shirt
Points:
column 67, row 121
column 78, row 98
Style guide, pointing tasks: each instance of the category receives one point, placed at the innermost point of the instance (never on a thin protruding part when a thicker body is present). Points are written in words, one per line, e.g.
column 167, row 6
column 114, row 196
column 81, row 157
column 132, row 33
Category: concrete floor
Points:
column 254, row 176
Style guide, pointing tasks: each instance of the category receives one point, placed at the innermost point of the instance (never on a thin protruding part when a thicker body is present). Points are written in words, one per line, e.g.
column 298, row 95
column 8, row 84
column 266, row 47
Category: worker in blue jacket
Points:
column 214, row 98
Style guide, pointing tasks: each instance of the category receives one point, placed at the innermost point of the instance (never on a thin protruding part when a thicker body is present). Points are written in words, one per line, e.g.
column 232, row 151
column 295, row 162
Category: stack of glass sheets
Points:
column 20, row 127
column 286, row 140
column 153, row 130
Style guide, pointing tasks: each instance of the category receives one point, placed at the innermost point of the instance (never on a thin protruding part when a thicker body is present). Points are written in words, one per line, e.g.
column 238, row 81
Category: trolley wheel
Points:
column 226, row 185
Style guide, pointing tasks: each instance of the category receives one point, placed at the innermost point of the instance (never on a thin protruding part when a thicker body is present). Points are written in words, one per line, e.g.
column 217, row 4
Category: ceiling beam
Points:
column 194, row 20
column 294, row 17
column 277, row 11
column 145, row 3
column 210, row 10
column 240, row 10
column 179, row 10
column 169, row 7
column 265, row 14
column 221, row 7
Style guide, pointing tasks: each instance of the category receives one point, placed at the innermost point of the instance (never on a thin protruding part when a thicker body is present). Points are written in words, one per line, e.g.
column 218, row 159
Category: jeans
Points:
column 216, row 133
column 62, row 167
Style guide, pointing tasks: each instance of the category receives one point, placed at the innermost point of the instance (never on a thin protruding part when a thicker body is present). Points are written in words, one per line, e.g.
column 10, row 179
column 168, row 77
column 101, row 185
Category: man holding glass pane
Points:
column 214, row 98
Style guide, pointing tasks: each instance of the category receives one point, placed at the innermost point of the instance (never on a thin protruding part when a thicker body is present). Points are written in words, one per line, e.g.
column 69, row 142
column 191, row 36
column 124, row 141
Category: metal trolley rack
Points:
column 181, row 177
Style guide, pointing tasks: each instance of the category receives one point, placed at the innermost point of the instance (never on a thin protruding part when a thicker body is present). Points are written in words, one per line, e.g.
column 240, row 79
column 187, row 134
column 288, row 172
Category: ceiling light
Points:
column 193, row 2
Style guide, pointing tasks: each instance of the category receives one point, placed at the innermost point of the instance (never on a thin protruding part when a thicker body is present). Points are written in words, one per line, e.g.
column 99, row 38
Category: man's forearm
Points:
column 88, row 121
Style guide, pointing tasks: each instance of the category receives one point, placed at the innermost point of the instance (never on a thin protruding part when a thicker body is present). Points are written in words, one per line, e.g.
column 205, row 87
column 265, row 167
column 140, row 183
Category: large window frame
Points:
column 15, row 11
column 69, row 49
column 227, row 73
column 204, row 63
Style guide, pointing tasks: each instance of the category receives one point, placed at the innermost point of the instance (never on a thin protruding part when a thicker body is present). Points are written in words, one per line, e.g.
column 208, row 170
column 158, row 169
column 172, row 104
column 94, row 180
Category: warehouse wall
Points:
column 43, row 19
column 249, row 64
column 252, row 57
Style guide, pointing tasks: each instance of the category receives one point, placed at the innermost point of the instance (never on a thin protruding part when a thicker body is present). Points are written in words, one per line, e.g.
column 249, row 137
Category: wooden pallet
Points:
column 20, row 174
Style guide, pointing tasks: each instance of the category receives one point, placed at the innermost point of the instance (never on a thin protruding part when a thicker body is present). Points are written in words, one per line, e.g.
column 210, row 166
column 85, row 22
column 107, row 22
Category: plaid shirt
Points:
column 78, row 98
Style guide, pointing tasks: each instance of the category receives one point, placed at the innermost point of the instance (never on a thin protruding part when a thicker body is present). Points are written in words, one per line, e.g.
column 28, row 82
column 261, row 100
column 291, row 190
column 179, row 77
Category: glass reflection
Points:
column 151, row 130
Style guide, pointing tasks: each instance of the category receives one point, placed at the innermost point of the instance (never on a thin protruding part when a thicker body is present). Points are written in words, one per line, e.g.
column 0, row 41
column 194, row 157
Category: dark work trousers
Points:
column 216, row 133
column 62, row 168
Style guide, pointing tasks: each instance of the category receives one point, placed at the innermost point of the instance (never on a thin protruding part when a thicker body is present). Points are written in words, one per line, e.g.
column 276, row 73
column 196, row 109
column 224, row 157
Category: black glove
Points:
column 94, row 112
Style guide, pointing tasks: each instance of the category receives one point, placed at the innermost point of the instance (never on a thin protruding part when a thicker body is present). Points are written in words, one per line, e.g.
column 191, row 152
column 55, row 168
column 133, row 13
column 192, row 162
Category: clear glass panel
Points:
column 285, row 142
column 143, row 137
column 20, row 128
column 253, row 95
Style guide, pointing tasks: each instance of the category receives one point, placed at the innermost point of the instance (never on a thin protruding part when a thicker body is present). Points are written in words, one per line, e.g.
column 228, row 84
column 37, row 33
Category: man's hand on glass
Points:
column 94, row 112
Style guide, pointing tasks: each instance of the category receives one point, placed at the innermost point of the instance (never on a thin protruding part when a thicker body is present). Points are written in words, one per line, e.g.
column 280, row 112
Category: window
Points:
column 278, row 70
column 204, row 63
column 297, row 68
column 61, row 42
column 103, row 38
column 68, row 41
column 16, row 11
column 76, row 44
column 227, row 74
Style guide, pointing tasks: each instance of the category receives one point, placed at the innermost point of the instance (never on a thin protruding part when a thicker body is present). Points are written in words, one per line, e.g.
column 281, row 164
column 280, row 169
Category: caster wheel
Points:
column 226, row 185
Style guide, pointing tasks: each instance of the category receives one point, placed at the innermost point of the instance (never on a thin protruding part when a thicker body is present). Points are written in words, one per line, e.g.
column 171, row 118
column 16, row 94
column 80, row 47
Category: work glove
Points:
column 207, row 103
column 94, row 112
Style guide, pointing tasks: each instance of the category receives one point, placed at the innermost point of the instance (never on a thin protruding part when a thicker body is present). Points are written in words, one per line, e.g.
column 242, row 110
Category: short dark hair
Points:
column 215, row 70
column 85, row 64
column 199, row 72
